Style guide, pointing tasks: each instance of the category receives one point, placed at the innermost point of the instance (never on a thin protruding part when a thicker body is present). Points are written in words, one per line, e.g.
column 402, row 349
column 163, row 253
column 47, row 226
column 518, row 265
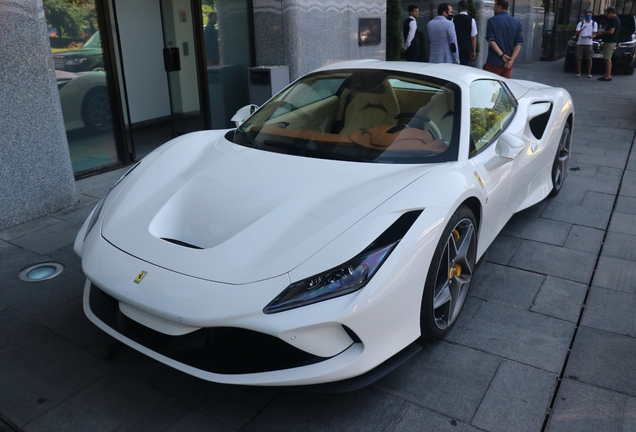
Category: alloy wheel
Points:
column 454, row 274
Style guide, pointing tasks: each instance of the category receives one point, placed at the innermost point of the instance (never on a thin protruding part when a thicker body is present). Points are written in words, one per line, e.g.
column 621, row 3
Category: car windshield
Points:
column 360, row 115
column 93, row 41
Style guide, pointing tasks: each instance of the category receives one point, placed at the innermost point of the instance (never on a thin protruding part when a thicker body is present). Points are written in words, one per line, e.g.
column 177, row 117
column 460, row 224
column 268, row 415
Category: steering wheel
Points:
column 430, row 124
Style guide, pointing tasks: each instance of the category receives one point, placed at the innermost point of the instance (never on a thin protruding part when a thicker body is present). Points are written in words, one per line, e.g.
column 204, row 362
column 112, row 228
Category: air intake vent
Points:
column 539, row 123
column 180, row 243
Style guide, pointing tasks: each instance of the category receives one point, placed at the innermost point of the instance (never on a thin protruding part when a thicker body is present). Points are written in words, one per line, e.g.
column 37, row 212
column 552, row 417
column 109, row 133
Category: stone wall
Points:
column 305, row 34
column 36, row 177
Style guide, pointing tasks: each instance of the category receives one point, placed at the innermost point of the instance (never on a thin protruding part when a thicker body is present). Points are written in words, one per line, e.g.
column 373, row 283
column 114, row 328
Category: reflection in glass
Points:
column 212, row 40
column 365, row 115
column 81, row 81
column 228, row 57
column 490, row 111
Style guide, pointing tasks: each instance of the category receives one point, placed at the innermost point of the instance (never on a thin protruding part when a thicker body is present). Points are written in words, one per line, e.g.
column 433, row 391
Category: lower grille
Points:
column 223, row 350
column 58, row 63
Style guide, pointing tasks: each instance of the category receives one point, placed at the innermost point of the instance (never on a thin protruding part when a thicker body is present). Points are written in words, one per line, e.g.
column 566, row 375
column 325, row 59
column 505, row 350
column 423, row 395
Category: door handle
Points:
column 171, row 59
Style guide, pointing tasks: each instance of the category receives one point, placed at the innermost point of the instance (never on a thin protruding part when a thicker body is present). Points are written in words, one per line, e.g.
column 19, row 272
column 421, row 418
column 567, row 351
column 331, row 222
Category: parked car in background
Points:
column 84, row 100
column 625, row 54
column 87, row 58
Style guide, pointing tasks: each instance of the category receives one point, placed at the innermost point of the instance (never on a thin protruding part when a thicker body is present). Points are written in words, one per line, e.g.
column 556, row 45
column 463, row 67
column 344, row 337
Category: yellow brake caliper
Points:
column 457, row 269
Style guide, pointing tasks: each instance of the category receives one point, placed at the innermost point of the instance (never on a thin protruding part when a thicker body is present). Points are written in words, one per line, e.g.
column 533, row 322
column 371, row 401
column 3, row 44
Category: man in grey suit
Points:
column 441, row 33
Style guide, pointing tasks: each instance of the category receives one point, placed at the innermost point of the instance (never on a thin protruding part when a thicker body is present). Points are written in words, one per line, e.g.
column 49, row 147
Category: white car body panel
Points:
column 263, row 220
column 247, row 237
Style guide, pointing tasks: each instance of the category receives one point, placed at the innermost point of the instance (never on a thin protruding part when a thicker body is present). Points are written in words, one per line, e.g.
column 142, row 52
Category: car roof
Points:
column 449, row 72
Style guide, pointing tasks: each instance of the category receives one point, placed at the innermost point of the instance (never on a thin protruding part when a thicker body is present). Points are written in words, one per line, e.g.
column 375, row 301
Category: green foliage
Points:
column 206, row 9
column 393, row 30
column 483, row 120
column 69, row 17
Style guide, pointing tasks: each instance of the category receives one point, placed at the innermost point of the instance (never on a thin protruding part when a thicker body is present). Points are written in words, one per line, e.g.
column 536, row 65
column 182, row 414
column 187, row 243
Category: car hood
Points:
column 209, row 208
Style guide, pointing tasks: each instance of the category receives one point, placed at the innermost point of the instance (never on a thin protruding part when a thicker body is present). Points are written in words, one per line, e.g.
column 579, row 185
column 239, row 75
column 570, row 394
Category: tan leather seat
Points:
column 441, row 110
column 370, row 109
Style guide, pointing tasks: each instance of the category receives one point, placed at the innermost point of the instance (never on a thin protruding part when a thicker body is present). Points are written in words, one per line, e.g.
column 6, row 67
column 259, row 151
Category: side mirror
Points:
column 509, row 146
column 242, row 114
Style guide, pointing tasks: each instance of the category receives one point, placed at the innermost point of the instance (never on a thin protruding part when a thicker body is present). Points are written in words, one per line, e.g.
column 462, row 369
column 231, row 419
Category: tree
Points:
column 393, row 33
column 67, row 17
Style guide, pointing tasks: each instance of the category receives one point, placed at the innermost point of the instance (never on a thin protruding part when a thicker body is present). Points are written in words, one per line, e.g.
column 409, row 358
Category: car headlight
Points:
column 76, row 60
column 95, row 217
column 100, row 204
column 346, row 278
column 627, row 44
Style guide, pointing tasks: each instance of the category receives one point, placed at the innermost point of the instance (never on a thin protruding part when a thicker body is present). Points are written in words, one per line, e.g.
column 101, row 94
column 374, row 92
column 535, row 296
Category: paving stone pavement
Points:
column 547, row 339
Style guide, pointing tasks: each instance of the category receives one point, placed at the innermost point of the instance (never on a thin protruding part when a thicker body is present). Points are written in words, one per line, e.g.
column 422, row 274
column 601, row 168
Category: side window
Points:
column 491, row 109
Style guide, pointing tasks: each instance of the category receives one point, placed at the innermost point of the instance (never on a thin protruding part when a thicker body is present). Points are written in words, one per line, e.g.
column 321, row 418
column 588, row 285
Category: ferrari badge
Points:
column 140, row 276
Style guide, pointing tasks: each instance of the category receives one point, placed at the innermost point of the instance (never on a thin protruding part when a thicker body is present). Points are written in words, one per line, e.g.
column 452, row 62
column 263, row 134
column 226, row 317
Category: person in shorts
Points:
column 586, row 31
column 610, row 37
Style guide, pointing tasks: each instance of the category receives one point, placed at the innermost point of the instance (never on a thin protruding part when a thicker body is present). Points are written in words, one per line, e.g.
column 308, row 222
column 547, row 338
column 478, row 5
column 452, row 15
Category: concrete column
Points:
column 36, row 176
column 308, row 34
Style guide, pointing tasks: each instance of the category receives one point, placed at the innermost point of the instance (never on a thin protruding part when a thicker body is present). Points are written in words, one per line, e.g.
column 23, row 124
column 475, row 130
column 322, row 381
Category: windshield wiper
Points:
column 246, row 136
column 310, row 152
column 333, row 156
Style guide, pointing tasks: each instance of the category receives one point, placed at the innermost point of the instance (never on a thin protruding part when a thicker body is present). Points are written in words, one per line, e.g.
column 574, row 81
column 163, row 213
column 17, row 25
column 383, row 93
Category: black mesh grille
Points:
column 223, row 350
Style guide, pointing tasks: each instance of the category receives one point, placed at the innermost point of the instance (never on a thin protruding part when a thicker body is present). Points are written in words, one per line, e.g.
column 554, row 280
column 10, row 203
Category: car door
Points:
column 491, row 109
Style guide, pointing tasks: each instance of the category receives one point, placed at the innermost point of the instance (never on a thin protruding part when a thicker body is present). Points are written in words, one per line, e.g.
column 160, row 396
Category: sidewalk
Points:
column 546, row 341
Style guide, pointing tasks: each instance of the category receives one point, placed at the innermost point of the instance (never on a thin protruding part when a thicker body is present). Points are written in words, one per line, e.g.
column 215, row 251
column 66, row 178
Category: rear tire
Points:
column 449, row 275
column 561, row 161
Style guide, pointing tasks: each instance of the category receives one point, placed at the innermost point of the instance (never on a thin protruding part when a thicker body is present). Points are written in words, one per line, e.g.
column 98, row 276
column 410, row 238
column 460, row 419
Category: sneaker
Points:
column 589, row 75
column 604, row 79
column 578, row 74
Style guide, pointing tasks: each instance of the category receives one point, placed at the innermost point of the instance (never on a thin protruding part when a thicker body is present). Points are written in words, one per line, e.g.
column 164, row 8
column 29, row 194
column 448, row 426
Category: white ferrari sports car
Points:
column 335, row 226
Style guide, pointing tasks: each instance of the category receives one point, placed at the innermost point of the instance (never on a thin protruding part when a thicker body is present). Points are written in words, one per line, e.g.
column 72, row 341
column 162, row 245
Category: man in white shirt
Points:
column 586, row 31
column 410, row 48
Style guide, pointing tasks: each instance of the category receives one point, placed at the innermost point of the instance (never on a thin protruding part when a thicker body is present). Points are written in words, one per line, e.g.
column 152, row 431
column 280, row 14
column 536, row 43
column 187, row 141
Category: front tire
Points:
column 561, row 161
column 96, row 113
column 449, row 275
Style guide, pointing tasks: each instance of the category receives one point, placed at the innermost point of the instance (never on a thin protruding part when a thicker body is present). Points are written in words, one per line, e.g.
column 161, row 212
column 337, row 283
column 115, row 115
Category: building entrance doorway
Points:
column 180, row 66
column 182, row 63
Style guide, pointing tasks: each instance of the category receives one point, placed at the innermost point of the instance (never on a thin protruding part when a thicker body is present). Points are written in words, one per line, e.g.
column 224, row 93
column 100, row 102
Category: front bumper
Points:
column 622, row 57
column 219, row 333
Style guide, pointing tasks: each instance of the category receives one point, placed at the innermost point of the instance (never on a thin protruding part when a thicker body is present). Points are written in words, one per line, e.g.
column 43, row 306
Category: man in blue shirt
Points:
column 505, row 37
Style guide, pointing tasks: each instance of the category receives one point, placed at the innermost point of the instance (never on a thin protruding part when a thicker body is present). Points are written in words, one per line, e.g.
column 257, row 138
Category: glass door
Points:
column 180, row 61
column 76, row 36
